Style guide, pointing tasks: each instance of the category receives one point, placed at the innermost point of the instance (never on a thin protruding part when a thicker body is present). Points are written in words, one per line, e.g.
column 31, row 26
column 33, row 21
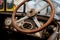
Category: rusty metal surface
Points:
column 37, row 29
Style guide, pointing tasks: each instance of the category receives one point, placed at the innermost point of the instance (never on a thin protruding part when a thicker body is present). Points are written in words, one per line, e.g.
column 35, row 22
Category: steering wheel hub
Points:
column 31, row 13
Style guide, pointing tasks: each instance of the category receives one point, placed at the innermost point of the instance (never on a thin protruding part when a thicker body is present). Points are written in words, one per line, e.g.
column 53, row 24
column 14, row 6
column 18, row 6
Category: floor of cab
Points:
column 11, row 35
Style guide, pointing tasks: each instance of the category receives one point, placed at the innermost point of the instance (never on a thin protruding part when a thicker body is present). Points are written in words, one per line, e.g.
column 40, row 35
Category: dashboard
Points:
column 23, row 22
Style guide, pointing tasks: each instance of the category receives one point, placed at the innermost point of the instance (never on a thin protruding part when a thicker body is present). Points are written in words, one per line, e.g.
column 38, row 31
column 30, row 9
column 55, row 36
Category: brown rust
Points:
column 37, row 29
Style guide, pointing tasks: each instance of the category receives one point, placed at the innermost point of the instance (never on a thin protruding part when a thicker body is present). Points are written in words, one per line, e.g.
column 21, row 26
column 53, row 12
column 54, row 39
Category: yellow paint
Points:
column 12, row 9
column 2, row 8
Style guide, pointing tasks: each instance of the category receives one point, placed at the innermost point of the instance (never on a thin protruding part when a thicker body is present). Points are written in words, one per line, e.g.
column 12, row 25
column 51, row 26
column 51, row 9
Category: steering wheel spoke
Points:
column 36, row 21
column 26, row 17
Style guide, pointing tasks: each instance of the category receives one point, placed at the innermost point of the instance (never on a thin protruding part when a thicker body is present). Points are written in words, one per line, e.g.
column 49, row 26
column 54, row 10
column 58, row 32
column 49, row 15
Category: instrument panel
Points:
column 43, row 34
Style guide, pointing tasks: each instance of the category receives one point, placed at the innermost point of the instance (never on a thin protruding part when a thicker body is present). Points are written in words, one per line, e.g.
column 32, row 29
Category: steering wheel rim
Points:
column 37, row 29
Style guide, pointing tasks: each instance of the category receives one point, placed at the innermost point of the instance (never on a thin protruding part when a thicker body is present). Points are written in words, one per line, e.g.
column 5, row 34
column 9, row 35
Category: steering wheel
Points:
column 33, row 13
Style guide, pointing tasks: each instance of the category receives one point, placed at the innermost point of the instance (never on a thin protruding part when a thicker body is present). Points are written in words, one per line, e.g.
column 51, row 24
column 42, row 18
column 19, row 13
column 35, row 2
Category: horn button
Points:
column 31, row 13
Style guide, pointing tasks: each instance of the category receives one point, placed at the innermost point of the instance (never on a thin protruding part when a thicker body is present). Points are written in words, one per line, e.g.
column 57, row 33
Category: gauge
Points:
column 7, row 21
column 26, row 24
